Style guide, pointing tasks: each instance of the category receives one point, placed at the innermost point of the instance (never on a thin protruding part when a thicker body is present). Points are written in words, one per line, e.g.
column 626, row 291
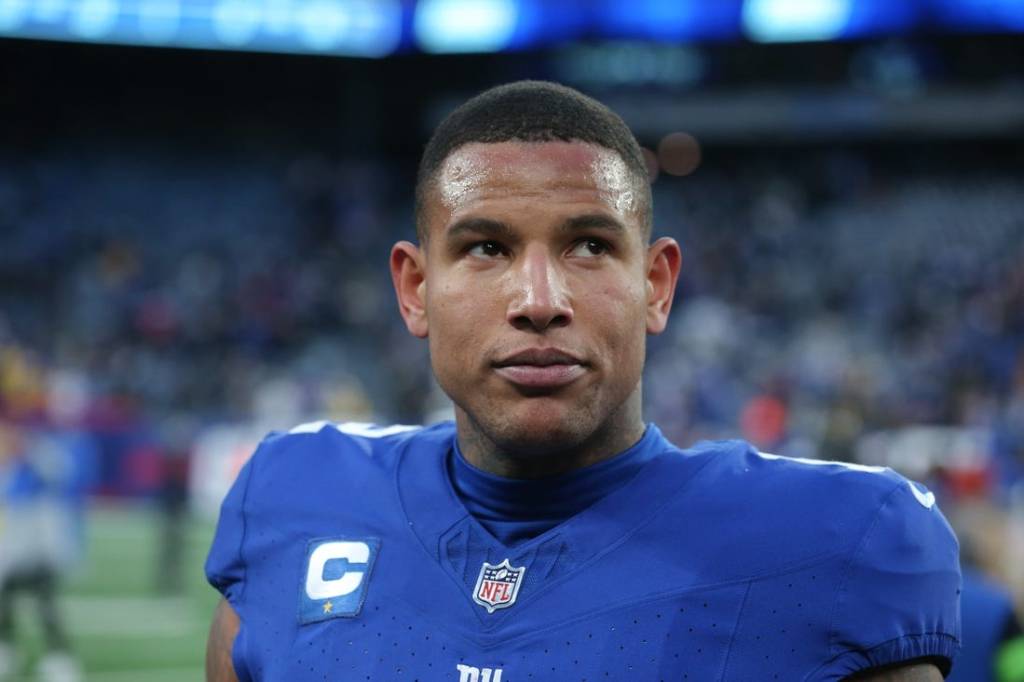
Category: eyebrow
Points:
column 488, row 227
column 592, row 221
column 482, row 226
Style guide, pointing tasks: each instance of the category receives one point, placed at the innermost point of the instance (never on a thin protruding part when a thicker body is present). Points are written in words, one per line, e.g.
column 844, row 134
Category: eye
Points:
column 590, row 248
column 487, row 249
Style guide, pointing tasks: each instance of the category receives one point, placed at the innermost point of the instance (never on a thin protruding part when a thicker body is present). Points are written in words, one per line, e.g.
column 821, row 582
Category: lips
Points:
column 540, row 368
column 540, row 357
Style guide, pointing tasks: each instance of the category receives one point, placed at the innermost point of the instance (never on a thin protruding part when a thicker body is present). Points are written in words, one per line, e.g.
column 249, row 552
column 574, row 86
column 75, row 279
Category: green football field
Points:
column 122, row 628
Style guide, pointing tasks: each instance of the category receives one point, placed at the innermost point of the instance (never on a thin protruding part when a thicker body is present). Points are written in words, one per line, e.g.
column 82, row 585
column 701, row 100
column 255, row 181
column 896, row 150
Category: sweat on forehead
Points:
column 530, row 111
column 471, row 169
column 475, row 169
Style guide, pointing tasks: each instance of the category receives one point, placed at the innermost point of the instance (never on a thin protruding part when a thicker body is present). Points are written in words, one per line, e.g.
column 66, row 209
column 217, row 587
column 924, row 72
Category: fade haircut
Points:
column 531, row 111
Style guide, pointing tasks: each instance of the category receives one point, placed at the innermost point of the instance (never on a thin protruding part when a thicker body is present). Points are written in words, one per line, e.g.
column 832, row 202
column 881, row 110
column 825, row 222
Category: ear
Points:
column 409, row 275
column 664, row 259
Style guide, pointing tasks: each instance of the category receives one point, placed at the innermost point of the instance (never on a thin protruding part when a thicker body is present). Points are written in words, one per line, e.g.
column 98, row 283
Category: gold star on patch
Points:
column 328, row 606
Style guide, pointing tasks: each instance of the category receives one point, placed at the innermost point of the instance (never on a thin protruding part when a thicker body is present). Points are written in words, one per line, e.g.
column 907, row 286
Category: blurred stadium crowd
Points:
column 832, row 294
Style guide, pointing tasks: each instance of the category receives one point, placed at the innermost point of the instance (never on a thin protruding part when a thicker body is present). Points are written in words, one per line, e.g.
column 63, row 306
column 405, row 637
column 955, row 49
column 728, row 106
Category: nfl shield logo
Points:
column 498, row 585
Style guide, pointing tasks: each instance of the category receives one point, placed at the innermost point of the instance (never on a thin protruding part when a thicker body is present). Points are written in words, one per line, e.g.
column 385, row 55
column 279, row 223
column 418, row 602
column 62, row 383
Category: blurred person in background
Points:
column 993, row 648
column 549, row 533
column 39, row 542
column 176, row 439
column 963, row 473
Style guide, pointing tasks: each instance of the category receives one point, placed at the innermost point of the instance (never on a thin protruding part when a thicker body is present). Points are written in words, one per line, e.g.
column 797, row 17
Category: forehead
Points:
column 574, row 171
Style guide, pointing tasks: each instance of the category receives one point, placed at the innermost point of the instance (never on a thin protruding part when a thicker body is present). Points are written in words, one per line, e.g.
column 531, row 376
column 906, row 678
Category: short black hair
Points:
column 531, row 111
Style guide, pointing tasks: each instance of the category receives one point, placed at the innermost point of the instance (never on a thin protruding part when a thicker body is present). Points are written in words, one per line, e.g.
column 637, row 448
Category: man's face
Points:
column 535, row 290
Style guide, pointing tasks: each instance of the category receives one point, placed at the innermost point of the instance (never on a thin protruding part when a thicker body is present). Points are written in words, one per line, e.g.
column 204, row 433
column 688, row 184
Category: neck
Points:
column 623, row 428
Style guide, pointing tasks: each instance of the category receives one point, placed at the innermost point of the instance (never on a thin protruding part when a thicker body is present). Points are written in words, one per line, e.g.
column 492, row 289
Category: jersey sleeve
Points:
column 225, row 563
column 248, row 496
column 899, row 599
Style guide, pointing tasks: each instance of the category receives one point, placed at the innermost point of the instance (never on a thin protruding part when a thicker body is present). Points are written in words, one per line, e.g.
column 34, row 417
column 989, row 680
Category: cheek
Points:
column 621, row 312
column 626, row 300
column 454, row 316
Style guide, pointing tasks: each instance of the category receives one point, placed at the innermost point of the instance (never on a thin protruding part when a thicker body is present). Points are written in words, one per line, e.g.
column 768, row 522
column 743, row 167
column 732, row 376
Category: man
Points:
column 548, row 534
column 38, row 544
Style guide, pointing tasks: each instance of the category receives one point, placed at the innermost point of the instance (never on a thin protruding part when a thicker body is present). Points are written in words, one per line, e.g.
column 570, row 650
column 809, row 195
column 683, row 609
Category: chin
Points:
column 538, row 429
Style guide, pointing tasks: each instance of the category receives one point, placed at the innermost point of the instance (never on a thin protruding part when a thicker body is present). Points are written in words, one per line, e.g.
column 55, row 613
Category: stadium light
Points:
column 277, row 17
column 795, row 20
column 323, row 24
column 12, row 14
column 364, row 28
column 49, row 10
column 159, row 19
column 465, row 25
column 237, row 21
column 376, row 28
column 94, row 19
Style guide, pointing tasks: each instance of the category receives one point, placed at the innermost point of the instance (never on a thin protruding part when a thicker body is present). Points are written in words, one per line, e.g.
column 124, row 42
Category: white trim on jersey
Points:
column 825, row 462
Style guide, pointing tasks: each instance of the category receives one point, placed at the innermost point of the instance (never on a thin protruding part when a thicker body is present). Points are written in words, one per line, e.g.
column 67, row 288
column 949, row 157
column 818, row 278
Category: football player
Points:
column 548, row 533
column 38, row 543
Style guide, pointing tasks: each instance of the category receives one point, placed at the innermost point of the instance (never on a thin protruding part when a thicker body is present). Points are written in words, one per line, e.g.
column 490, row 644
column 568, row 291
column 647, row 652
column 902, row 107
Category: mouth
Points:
column 540, row 368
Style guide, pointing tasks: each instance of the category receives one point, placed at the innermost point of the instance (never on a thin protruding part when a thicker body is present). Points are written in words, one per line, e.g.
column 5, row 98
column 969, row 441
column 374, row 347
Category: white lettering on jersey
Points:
column 927, row 500
column 309, row 427
column 364, row 429
column 348, row 582
column 367, row 430
column 468, row 673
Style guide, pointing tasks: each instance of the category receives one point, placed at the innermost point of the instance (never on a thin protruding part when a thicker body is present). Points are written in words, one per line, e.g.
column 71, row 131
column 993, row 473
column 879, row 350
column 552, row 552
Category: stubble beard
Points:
column 507, row 444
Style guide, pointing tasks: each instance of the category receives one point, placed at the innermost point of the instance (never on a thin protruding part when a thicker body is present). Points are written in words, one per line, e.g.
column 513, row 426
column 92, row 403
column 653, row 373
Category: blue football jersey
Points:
column 348, row 556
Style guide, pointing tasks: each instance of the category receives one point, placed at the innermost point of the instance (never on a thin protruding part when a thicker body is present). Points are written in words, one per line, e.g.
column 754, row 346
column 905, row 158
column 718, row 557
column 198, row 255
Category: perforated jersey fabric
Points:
column 348, row 556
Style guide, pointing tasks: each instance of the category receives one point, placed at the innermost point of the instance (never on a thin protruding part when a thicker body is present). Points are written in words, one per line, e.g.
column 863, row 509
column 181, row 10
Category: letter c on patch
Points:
column 353, row 552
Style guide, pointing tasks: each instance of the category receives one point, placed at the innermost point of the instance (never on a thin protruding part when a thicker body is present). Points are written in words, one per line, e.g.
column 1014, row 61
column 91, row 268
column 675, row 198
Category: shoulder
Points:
column 300, row 481
column 345, row 443
column 815, row 506
column 797, row 484
column 324, row 458
column 886, row 560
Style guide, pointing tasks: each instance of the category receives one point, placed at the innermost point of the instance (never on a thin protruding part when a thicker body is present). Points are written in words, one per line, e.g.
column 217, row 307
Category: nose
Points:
column 541, row 297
